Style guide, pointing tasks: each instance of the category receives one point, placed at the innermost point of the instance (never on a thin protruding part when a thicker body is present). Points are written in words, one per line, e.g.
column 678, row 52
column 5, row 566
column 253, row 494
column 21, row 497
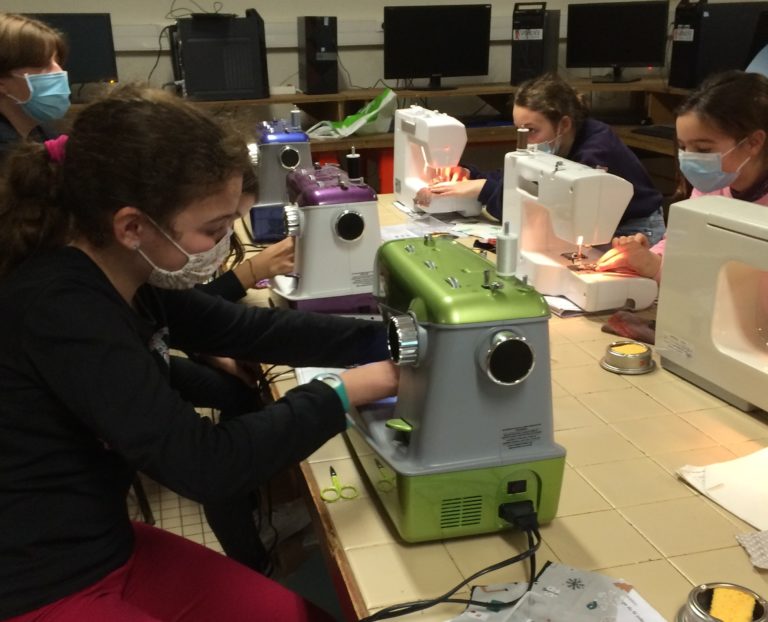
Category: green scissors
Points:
column 336, row 491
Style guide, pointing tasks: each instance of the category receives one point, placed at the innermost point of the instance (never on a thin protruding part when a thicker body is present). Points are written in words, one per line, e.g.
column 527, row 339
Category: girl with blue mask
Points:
column 48, row 95
column 34, row 89
column 723, row 151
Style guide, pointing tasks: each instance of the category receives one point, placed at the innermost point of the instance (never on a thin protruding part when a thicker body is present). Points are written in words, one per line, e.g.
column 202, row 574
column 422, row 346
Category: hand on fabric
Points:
column 458, row 185
column 469, row 188
column 630, row 254
column 372, row 382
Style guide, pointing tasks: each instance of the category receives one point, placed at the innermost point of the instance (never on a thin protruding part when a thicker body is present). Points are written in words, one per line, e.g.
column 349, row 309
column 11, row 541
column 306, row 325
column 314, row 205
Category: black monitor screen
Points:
column 628, row 34
column 436, row 40
column 91, row 48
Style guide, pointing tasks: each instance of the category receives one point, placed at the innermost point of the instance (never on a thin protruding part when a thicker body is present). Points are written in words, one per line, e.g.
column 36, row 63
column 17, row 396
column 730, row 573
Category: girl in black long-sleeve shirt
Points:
column 146, row 192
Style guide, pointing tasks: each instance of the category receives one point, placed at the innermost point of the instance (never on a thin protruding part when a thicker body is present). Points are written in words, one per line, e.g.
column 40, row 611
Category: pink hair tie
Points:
column 55, row 148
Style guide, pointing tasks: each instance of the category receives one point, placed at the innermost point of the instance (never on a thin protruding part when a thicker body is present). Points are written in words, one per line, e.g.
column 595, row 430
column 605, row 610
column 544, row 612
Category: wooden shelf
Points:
column 657, row 99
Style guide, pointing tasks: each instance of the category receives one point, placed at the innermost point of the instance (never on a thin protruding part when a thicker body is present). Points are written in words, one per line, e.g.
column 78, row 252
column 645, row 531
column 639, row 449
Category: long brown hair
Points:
column 27, row 42
column 140, row 147
column 554, row 98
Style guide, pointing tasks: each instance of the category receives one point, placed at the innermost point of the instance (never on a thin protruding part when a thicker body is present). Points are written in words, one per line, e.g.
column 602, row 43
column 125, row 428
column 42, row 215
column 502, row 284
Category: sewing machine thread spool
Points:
column 295, row 118
column 506, row 252
column 522, row 138
column 353, row 164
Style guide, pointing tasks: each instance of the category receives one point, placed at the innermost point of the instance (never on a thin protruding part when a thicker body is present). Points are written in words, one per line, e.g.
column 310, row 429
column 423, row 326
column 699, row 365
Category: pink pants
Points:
column 169, row 578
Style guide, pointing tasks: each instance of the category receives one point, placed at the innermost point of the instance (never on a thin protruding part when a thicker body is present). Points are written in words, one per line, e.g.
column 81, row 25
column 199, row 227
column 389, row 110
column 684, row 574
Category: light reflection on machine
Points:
column 712, row 322
column 428, row 146
column 559, row 210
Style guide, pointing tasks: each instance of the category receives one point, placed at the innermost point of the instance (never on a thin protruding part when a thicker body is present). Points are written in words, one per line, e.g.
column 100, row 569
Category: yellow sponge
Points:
column 730, row 605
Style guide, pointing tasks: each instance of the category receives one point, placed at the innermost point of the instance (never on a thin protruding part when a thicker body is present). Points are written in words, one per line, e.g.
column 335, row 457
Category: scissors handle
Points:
column 330, row 495
column 336, row 490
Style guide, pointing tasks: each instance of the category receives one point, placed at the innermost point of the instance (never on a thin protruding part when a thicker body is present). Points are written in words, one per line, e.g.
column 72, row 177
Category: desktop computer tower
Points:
column 318, row 55
column 708, row 38
column 220, row 57
column 535, row 41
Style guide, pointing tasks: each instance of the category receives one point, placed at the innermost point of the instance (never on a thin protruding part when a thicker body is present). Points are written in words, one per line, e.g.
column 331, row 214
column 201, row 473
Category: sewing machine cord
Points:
column 419, row 605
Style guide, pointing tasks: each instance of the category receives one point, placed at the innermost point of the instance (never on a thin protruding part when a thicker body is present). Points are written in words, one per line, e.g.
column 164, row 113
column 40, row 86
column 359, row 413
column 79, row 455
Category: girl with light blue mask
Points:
column 721, row 133
column 34, row 89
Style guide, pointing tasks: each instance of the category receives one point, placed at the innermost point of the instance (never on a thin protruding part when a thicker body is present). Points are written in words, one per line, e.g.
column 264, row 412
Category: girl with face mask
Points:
column 34, row 90
column 558, row 122
column 721, row 133
column 145, row 190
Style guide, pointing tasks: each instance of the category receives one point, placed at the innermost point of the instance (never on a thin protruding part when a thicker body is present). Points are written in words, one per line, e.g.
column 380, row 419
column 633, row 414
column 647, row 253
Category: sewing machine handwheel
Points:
column 403, row 340
column 289, row 158
column 509, row 359
column 349, row 225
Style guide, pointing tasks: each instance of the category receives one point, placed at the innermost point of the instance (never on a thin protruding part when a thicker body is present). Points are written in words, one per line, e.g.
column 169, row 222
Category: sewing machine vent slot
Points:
column 461, row 512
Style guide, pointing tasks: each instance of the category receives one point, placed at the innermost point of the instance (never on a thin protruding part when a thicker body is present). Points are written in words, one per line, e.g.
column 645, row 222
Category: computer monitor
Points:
column 616, row 35
column 91, row 47
column 436, row 41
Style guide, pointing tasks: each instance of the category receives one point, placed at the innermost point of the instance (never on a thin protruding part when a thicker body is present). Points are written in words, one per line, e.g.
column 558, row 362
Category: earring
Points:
column 136, row 246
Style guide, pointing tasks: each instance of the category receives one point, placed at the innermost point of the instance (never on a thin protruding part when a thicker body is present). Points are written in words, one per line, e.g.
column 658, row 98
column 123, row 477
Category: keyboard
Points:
column 657, row 131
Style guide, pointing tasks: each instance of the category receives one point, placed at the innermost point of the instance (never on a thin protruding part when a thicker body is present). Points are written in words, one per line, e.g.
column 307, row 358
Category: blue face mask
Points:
column 48, row 96
column 549, row 146
column 705, row 170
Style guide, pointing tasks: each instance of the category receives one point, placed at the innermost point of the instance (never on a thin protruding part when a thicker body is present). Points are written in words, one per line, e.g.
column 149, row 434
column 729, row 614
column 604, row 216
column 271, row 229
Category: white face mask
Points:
column 199, row 267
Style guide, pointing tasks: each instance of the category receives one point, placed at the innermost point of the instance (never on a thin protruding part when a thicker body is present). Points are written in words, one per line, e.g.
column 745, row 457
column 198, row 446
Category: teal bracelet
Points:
column 337, row 384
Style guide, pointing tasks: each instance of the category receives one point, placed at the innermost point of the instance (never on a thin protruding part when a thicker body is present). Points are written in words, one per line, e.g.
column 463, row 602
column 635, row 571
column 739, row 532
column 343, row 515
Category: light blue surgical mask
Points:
column 549, row 146
column 705, row 170
column 48, row 96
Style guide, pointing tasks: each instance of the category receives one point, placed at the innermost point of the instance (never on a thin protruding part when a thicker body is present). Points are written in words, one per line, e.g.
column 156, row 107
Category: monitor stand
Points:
column 614, row 76
column 435, row 84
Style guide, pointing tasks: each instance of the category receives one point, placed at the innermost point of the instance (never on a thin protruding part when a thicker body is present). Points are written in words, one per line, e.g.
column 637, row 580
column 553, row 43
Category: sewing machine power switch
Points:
column 516, row 487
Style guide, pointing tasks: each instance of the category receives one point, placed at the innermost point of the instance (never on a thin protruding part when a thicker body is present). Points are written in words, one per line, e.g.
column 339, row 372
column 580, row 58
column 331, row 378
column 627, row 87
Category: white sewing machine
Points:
column 712, row 322
column 559, row 209
column 428, row 144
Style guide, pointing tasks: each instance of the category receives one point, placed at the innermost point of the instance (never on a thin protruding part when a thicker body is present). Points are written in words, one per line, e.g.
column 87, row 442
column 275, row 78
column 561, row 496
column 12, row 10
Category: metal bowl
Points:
column 628, row 357
column 696, row 608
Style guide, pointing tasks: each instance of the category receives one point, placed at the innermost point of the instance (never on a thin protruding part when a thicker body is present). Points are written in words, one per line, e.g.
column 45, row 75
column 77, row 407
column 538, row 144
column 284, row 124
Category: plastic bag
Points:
column 373, row 118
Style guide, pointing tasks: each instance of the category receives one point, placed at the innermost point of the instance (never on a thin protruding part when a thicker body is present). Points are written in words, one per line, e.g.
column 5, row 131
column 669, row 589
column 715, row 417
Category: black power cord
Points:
column 522, row 515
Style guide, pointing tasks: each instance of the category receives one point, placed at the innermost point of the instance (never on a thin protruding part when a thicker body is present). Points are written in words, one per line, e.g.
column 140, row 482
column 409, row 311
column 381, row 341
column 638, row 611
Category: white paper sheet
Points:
column 740, row 486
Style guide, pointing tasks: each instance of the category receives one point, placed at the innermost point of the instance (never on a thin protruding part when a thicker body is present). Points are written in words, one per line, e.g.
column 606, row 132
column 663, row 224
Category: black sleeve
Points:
column 101, row 374
column 227, row 285
column 209, row 325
